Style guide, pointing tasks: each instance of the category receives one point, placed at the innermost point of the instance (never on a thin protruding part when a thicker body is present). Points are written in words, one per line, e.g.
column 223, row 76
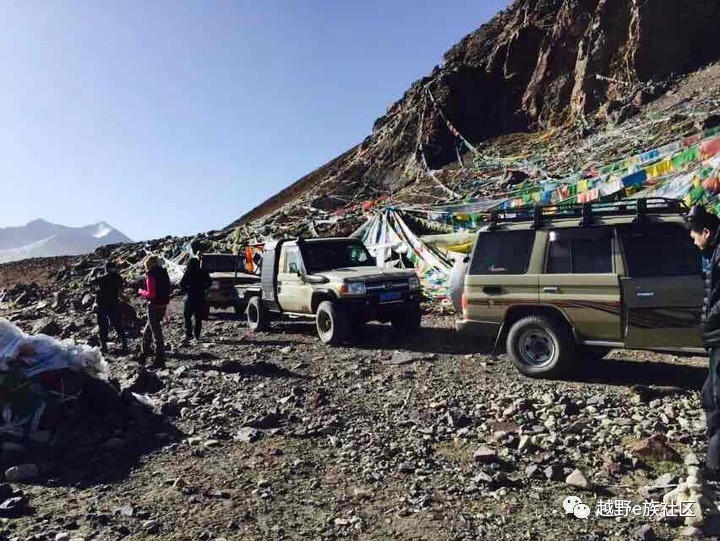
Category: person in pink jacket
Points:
column 157, row 293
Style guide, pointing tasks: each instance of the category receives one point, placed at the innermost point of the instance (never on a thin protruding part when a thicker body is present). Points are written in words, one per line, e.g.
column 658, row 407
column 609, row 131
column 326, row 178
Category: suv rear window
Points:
column 580, row 251
column 502, row 252
column 659, row 250
column 219, row 262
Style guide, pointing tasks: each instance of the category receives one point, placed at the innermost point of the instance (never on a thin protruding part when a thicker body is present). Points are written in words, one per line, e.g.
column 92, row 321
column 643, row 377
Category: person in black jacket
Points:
column 107, row 300
column 705, row 232
column 195, row 283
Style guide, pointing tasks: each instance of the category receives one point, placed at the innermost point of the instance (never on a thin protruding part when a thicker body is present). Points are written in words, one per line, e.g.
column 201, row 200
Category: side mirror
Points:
column 308, row 279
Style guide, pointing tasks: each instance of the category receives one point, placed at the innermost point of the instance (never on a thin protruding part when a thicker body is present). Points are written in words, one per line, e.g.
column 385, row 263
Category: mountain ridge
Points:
column 573, row 67
column 40, row 238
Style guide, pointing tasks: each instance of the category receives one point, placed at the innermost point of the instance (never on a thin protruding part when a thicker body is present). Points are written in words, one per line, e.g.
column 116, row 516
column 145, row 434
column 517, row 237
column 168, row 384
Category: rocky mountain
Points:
column 577, row 68
column 40, row 238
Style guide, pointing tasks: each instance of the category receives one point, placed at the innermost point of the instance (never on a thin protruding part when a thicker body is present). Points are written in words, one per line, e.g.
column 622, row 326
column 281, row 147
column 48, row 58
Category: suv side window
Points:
column 580, row 251
column 293, row 263
column 659, row 250
column 502, row 252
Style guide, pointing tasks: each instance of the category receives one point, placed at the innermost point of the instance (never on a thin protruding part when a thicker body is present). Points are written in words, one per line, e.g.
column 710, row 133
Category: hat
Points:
column 698, row 218
column 696, row 213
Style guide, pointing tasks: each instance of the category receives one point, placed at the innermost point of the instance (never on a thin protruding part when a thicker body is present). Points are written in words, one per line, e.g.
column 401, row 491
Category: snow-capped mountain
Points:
column 40, row 238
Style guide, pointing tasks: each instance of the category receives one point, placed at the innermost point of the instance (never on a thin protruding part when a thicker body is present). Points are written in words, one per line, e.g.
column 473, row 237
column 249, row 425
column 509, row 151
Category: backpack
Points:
column 162, row 286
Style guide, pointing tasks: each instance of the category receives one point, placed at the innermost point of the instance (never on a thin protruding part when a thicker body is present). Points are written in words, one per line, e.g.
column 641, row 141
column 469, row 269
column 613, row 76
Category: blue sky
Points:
column 175, row 117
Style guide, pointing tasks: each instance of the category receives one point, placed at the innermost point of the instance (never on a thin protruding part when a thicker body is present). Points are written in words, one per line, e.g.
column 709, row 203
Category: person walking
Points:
column 157, row 293
column 107, row 306
column 195, row 283
column 705, row 232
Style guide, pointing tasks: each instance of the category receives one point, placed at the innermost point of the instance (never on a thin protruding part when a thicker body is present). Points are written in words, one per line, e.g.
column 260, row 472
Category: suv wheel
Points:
column 540, row 347
column 331, row 323
column 258, row 318
column 407, row 321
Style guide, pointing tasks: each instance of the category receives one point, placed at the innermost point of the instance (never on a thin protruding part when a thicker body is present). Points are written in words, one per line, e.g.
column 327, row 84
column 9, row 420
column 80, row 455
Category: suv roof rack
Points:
column 641, row 208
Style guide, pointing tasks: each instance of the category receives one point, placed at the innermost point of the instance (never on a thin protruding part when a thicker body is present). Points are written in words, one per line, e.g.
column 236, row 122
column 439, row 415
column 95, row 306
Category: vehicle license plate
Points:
column 389, row 296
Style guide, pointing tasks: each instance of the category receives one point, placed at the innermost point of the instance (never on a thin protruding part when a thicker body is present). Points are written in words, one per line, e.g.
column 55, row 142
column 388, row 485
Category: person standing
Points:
column 195, row 283
column 457, row 282
column 157, row 293
column 107, row 300
column 705, row 233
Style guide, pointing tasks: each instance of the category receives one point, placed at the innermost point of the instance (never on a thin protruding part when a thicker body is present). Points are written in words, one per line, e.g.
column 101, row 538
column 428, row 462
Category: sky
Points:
column 175, row 117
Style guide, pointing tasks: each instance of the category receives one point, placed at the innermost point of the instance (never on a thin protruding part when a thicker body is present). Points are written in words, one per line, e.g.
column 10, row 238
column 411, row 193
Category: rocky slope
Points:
column 574, row 67
column 275, row 436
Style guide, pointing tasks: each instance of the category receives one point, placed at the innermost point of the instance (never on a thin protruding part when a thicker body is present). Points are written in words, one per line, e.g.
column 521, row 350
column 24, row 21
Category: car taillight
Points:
column 464, row 302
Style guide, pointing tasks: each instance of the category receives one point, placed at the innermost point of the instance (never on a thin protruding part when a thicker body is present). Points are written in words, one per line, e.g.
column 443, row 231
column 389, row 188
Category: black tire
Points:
column 408, row 321
column 541, row 347
column 258, row 317
column 331, row 323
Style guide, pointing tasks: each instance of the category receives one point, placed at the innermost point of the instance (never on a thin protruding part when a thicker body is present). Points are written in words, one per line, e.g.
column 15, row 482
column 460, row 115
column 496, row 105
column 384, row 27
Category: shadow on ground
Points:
column 428, row 340
column 99, row 438
column 628, row 373
column 192, row 355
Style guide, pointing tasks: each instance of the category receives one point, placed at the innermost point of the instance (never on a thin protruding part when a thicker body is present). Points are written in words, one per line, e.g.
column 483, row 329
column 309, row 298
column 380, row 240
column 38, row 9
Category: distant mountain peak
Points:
column 40, row 238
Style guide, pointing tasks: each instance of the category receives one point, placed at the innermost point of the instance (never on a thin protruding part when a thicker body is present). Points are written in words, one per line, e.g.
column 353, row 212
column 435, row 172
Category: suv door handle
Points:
column 550, row 289
column 492, row 290
column 645, row 294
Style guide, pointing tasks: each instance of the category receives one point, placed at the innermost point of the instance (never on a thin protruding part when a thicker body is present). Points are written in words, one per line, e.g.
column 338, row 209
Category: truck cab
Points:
column 336, row 282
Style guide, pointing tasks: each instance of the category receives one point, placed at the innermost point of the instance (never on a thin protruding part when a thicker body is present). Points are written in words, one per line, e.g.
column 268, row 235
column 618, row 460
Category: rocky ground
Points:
column 278, row 436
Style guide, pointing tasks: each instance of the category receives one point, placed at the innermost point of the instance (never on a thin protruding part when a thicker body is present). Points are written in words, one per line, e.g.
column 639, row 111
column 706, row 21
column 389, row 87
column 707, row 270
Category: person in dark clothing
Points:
column 157, row 292
column 109, row 289
column 195, row 283
column 705, row 232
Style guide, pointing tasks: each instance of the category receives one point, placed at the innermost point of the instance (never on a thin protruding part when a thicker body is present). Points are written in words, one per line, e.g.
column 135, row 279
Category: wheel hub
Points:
column 536, row 348
column 324, row 322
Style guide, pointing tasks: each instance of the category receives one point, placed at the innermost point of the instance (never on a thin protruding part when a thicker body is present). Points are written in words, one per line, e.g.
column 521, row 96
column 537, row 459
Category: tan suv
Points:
column 565, row 284
column 334, row 281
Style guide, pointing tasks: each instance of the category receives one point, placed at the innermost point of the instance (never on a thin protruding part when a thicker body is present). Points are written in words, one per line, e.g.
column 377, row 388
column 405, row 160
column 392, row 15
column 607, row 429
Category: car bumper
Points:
column 372, row 308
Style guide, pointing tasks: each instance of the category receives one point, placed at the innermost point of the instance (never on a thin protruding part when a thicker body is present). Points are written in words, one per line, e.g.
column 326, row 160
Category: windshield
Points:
column 324, row 256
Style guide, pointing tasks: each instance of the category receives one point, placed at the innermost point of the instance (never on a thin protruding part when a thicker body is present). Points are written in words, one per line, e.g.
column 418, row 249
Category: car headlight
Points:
column 414, row 282
column 355, row 288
